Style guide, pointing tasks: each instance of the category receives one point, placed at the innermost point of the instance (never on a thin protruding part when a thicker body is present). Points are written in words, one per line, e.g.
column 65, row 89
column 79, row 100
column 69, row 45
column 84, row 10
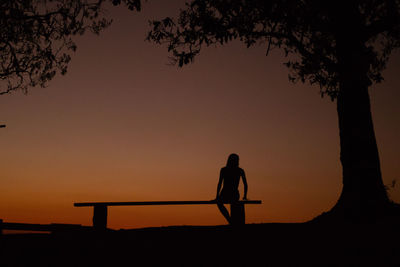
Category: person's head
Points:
column 233, row 161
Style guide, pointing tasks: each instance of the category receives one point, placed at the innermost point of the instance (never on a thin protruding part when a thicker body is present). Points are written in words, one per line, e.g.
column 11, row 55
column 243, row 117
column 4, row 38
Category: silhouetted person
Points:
column 229, row 179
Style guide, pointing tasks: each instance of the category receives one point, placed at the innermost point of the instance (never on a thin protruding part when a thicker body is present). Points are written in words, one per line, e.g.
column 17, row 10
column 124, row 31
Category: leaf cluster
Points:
column 36, row 38
column 312, row 33
column 131, row 4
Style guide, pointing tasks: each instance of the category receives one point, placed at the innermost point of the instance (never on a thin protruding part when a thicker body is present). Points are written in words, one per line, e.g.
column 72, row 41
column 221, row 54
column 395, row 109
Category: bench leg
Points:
column 238, row 214
column 100, row 217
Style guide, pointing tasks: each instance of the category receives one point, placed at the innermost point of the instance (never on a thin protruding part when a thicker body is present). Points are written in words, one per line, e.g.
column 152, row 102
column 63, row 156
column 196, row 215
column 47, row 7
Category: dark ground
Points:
column 307, row 244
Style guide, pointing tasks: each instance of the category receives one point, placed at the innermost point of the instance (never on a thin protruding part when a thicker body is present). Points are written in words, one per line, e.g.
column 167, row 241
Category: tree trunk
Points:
column 363, row 195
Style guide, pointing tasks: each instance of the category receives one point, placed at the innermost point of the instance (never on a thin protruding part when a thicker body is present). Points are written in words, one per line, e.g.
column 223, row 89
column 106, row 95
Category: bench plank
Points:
column 143, row 203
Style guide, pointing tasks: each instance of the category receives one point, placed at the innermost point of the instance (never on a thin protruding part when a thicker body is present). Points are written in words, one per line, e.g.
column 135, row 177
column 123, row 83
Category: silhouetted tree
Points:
column 36, row 37
column 342, row 46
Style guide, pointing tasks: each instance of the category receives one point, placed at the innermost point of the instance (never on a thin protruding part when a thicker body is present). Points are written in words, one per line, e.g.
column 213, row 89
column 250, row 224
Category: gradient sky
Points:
column 123, row 125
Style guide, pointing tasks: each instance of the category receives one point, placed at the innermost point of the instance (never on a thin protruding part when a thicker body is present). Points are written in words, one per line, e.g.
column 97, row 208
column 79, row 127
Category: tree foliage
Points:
column 309, row 31
column 36, row 37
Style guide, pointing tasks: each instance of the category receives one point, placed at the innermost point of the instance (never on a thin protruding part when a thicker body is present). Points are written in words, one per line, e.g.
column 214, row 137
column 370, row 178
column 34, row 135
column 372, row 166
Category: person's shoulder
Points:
column 241, row 170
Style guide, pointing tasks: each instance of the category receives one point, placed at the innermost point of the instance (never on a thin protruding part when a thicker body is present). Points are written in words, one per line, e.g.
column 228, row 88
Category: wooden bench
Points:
column 34, row 227
column 100, row 208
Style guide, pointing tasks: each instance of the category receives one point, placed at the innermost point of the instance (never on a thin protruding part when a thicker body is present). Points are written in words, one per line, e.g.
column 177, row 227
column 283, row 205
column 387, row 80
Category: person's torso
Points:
column 231, row 178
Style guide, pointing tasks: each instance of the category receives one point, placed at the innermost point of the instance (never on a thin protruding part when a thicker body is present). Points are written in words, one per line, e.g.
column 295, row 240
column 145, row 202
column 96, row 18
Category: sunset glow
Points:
column 123, row 125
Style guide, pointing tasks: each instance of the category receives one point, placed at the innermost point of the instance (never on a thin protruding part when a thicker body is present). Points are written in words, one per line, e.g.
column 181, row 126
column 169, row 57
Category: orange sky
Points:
column 122, row 125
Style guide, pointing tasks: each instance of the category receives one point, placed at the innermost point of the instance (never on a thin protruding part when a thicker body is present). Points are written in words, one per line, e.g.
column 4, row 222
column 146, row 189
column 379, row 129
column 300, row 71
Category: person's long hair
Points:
column 233, row 161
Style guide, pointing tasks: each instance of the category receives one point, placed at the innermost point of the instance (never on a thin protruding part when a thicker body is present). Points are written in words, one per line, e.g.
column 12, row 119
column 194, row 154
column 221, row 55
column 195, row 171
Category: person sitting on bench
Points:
column 230, row 177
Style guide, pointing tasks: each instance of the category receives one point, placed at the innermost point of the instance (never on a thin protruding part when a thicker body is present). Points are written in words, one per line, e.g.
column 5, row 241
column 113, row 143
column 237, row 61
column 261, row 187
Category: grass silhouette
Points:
column 272, row 244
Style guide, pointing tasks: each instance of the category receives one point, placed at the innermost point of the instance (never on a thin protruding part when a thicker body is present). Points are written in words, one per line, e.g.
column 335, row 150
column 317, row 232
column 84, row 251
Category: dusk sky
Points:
column 124, row 125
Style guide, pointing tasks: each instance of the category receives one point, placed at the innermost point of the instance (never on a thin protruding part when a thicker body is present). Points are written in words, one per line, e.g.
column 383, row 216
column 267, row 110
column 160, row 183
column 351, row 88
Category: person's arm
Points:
column 219, row 184
column 245, row 185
